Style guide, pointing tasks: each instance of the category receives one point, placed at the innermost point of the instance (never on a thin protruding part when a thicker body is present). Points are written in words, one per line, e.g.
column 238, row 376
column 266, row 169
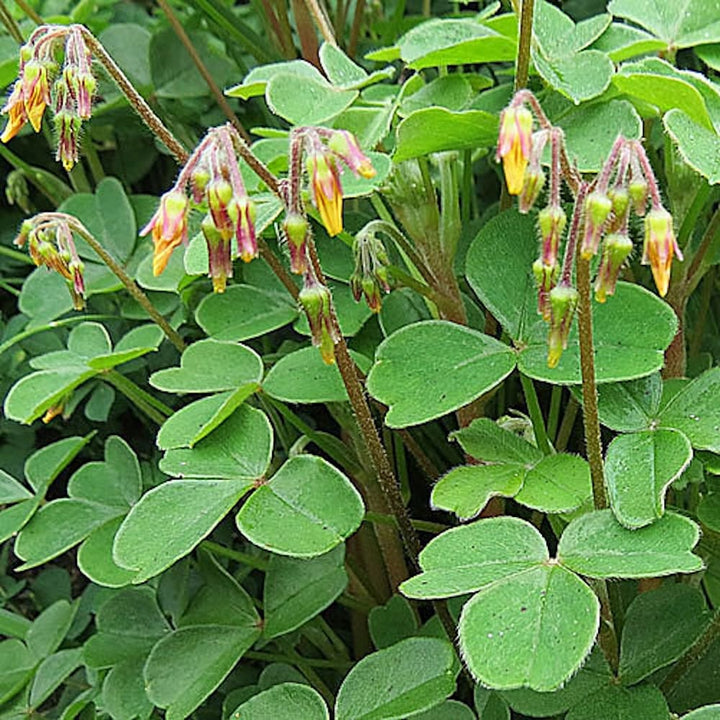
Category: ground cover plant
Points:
column 359, row 360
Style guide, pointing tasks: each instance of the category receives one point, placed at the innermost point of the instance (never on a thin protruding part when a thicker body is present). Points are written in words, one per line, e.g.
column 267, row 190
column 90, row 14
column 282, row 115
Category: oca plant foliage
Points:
column 360, row 360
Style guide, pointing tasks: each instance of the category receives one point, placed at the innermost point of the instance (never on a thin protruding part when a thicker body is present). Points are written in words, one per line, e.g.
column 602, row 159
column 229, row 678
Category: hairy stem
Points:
column 321, row 21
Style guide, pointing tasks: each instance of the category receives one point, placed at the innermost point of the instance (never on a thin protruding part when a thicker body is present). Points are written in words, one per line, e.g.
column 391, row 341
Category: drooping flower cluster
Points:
column 370, row 276
column 600, row 223
column 211, row 178
column 49, row 237
column 71, row 92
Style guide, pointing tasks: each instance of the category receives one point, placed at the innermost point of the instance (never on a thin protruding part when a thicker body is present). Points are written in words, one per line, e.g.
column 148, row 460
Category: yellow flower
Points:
column 169, row 228
column 326, row 191
column 660, row 247
column 514, row 145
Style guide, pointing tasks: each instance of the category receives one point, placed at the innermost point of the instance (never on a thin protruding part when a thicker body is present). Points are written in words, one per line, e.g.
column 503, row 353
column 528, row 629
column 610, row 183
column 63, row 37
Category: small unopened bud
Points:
column 245, row 233
column 616, row 250
column 222, row 209
column 315, row 299
column 551, row 222
column 295, row 229
column 533, row 184
column 620, row 199
column 545, row 279
column 219, row 254
column 597, row 210
column 638, row 191
column 199, row 180
column 345, row 146
column 370, row 277
column 660, row 246
column 563, row 301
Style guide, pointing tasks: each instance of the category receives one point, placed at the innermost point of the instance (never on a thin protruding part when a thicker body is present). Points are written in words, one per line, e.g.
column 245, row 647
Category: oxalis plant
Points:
column 291, row 424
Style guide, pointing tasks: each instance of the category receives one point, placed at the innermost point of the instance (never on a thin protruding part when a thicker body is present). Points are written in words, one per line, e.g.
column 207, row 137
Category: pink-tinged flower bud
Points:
column 22, row 237
column 219, row 254
column 67, row 128
column 620, row 199
column 245, row 234
column 533, row 183
column 169, row 227
column 551, row 223
column 370, row 276
column 514, row 145
column 563, row 301
column 597, row 210
column 616, row 250
column 660, row 246
column 315, row 299
column 199, row 180
column 295, row 229
column 345, row 146
column 638, row 190
column 326, row 190
column 222, row 207
column 545, row 279
column 86, row 86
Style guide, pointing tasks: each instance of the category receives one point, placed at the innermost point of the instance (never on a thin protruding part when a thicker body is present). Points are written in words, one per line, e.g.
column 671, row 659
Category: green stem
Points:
column 29, row 11
column 450, row 223
column 522, row 66
column 138, row 397
column 343, row 665
column 137, row 294
column 356, row 26
column 135, row 99
column 468, row 188
column 692, row 215
column 567, row 424
column 252, row 561
column 217, row 94
column 93, row 160
column 533, row 406
column 15, row 255
column 9, row 22
column 554, row 414
column 321, row 21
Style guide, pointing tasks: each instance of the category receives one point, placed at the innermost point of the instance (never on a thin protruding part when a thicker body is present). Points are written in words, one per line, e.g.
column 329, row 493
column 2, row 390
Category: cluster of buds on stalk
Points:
column 49, row 238
column 601, row 214
column 39, row 84
column 323, row 151
column 210, row 179
column 370, row 276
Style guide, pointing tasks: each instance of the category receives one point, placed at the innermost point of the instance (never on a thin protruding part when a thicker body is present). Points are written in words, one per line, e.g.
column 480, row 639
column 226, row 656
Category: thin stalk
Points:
column 567, row 424
column 93, row 160
column 691, row 216
column 9, row 22
column 554, row 414
column 693, row 655
column 694, row 272
column 421, row 525
column 450, row 223
column 533, row 406
column 306, row 32
column 706, row 297
column 251, row 561
column 29, row 11
column 355, row 28
column 321, row 21
column 136, row 293
column 343, row 665
column 137, row 396
column 135, row 99
column 202, row 69
column 591, row 417
column 468, row 189
column 285, row 29
column 15, row 255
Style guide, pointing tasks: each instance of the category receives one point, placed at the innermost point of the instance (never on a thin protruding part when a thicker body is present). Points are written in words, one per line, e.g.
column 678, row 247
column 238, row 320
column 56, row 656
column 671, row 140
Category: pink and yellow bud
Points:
column 345, row 146
column 551, row 223
column 222, row 206
column 245, row 233
column 616, row 250
column 597, row 210
column 563, row 301
column 315, row 300
column 295, row 229
column 533, row 184
column 168, row 226
column 514, row 145
column 545, row 280
column 638, row 190
column 326, row 191
column 660, row 246
column 67, row 127
column 219, row 254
